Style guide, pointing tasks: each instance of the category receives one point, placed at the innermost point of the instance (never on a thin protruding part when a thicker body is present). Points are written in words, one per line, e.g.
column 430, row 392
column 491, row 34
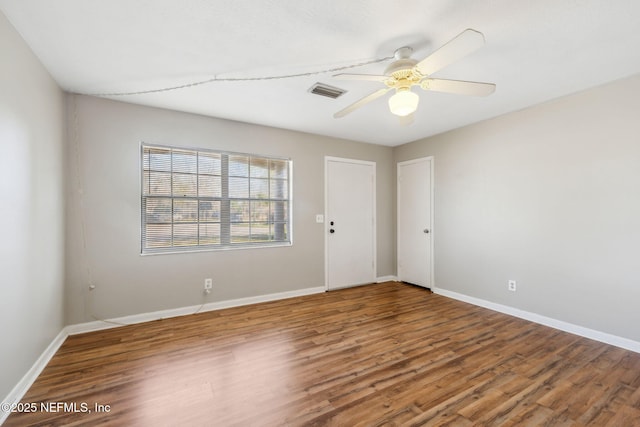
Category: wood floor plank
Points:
column 379, row 355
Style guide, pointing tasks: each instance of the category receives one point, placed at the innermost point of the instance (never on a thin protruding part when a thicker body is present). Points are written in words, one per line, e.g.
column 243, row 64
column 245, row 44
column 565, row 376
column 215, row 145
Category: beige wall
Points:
column 108, row 137
column 550, row 197
column 32, row 210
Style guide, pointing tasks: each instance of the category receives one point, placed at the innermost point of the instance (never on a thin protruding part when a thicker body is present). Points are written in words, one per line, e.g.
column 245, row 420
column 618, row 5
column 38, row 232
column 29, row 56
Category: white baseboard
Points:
column 16, row 394
column 604, row 337
column 184, row 311
column 387, row 279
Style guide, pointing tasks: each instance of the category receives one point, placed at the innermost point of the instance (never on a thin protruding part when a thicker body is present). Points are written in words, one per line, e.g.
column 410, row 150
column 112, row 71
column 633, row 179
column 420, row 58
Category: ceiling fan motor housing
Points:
column 402, row 74
column 400, row 65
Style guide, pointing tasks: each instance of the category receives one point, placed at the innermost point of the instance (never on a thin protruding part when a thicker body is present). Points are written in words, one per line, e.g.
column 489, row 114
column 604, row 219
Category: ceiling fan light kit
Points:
column 405, row 72
column 403, row 102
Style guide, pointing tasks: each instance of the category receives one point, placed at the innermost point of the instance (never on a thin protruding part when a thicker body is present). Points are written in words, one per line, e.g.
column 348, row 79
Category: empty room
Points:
column 340, row 213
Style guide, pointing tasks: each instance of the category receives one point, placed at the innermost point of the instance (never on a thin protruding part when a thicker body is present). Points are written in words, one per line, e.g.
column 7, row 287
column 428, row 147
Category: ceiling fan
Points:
column 405, row 72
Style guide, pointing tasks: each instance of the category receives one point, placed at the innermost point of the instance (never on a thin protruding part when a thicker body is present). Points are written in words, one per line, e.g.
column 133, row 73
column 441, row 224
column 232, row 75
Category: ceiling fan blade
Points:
column 375, row 95
column 371, row 77
column 463, row 44
column 458, row 86
column 406, row 120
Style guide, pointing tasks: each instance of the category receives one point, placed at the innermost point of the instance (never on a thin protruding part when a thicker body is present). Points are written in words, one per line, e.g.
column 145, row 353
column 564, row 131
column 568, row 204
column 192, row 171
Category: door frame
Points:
column 327, row 159
column 431, row 161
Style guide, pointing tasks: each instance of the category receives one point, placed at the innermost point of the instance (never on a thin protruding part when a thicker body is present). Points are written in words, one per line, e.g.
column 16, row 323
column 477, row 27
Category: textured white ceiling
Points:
column 535, row 51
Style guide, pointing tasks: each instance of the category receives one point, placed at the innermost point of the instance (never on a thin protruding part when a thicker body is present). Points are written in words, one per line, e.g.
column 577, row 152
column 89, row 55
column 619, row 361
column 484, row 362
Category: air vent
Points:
column 326, row 90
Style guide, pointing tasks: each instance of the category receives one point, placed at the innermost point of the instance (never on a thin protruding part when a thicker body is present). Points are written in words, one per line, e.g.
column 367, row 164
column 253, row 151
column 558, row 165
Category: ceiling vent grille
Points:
column 326, row 90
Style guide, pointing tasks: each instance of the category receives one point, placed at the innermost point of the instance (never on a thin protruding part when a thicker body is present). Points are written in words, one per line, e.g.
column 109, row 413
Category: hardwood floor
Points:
column 378, row 355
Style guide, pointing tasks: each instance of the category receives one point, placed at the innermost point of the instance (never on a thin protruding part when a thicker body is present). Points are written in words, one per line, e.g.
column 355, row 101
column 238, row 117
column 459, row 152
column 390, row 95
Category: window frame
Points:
column 225, row 220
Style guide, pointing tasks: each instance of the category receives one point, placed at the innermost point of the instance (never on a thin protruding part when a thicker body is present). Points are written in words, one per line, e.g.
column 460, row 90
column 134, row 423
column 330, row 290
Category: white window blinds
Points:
column 201, row 199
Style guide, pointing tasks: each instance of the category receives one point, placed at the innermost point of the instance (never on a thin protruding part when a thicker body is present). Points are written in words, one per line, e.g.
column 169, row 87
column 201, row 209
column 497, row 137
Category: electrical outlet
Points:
column 512, row 285
column 208, row 285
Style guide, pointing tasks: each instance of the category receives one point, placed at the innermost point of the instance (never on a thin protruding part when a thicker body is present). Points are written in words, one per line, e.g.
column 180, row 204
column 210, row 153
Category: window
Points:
column 201, row 199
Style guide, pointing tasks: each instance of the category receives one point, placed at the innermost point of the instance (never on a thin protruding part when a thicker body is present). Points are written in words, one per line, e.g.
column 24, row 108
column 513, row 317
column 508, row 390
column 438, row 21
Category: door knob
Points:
column 332, row 231
column 425, row 231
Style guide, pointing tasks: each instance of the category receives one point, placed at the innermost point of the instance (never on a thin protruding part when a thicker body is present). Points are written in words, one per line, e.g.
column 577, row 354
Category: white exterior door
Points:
column 415, row 222
column 350, row 238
